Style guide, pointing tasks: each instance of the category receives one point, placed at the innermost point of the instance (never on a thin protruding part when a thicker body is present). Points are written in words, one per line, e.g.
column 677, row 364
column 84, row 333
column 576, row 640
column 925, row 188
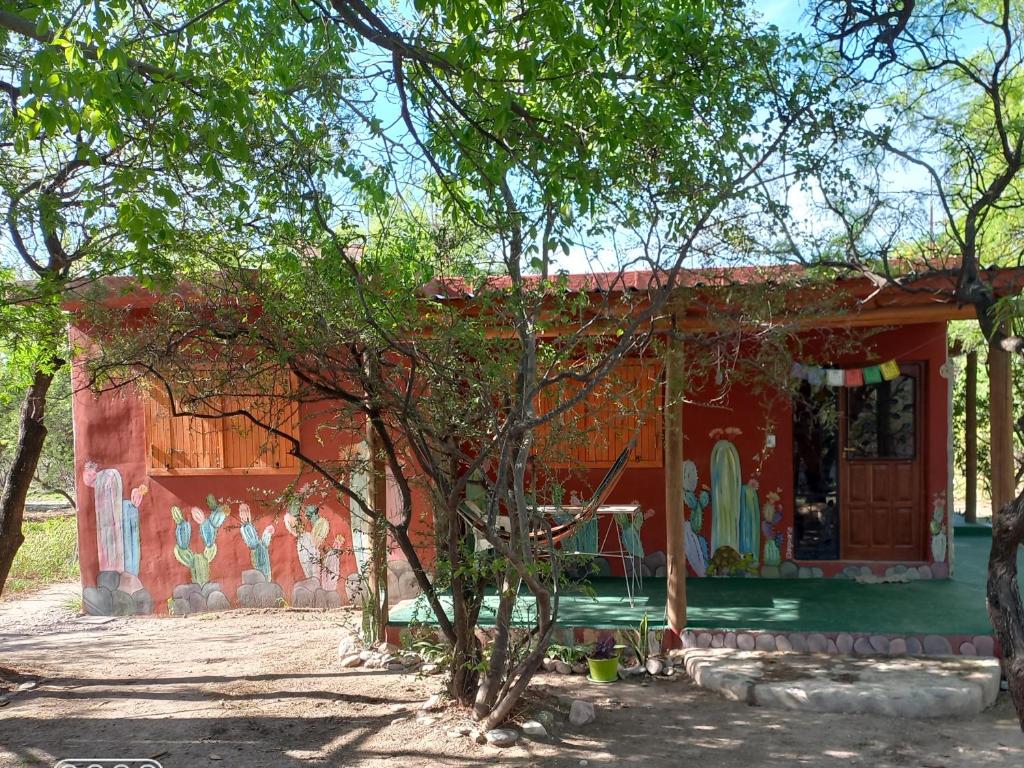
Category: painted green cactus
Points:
column 750, row 520
column 198, row 563
column 726, row 490
column 937, row 527
column 258, row 544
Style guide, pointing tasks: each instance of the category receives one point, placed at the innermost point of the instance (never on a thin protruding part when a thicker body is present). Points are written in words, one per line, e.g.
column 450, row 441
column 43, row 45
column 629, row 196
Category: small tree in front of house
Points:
column 545, row 129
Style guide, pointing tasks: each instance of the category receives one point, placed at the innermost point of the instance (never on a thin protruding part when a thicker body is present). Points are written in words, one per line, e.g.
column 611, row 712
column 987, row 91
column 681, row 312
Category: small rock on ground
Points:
column 534, row 729
column 581, row 712
column 501, row 737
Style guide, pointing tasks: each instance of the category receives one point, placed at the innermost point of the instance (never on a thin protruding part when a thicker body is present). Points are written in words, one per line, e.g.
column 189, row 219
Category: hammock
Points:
column 560, row 531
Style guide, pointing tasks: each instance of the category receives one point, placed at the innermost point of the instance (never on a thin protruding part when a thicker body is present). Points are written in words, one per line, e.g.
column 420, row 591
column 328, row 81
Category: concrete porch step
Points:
column 907, row 686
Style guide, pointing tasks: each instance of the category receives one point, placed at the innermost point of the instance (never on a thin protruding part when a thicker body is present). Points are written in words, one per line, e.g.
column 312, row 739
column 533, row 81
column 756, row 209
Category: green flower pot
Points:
column 604, row 670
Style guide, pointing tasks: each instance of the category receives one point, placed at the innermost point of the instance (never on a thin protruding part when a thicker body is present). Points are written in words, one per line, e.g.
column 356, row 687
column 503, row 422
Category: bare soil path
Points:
column 251, row 688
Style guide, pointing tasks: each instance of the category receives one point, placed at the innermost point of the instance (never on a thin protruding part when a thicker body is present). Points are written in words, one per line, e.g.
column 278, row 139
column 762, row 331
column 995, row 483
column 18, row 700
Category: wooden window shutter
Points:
column 608, row 426
column 228, row 445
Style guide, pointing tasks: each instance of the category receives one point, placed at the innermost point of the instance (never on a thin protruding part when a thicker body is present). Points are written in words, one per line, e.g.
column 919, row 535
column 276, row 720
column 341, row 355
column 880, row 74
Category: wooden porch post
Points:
column 1001, row 427
column 971, row 439
column 675, row 542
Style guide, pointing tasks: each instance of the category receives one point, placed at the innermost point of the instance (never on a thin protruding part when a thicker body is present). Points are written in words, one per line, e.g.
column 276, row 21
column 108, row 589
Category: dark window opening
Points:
column 816, row 472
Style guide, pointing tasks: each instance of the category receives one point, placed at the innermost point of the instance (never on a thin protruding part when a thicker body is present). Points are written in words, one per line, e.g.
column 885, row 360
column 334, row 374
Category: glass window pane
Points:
column 882, row 421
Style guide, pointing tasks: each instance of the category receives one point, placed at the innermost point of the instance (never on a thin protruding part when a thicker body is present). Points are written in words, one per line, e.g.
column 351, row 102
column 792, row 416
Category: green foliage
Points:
column 49, row 555
column 637, row 639
column 968, row 336
column 570, row 654
column 55, row 472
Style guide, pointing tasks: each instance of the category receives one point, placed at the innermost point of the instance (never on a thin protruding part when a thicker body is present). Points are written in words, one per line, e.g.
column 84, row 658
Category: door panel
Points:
column 880, row 470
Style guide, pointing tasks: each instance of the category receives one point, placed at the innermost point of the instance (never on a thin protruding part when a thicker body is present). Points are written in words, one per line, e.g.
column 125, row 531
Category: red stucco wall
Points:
column 110, row 432
column 751, row 417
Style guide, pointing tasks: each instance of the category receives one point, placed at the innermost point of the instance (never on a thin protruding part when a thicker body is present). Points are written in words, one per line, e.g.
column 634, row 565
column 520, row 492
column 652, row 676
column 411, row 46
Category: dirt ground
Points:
column 251, row 688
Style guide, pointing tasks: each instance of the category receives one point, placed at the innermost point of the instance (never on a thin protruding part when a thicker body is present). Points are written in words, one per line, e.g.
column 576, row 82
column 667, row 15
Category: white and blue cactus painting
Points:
column 697, row 501
column 117, row 520
column 258, row 543
column 318, row 559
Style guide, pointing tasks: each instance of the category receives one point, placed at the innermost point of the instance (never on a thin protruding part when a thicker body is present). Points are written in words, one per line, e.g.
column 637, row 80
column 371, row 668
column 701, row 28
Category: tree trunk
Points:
column 971, row 439
column 378, row 576
column 1004, row 602
column 26, row 456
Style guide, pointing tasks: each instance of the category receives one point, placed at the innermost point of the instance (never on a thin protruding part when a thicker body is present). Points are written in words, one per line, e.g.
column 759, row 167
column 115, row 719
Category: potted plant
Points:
column 603, row 661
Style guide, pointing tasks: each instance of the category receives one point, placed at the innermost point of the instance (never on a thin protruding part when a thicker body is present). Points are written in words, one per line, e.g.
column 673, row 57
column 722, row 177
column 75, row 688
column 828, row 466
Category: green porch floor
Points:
column 953, row 606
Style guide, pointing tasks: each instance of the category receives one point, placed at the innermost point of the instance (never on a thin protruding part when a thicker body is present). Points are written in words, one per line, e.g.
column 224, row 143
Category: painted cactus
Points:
column 258, row 544
column 696, row 545
column 937, row 527
column 317, row 558
column 117, row 520
column 130, row 530
column 198, row 563
column 772, row 514
column 750, row 520
column 726, row 490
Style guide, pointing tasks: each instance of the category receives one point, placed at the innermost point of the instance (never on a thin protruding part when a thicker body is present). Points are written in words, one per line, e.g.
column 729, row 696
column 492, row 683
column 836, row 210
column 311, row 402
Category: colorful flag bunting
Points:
column 890, row 370
column 873, row 375
column 834, row 377
column 846, row 377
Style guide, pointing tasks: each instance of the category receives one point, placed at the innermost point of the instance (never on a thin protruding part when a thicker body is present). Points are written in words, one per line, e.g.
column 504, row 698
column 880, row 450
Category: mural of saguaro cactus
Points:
column 118, row 590
column 726, row 489
column 696, row 544
column 117, row 520
column 130, row 530
column 750, row 520
column 258, row 544
column 320, row 561
column 198, row 563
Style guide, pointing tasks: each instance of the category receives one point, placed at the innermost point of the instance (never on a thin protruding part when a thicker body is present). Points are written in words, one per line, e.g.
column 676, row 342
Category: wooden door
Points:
column 880, row 466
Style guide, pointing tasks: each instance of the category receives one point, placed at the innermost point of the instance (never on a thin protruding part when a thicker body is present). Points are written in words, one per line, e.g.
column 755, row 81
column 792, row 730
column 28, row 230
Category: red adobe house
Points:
column 849, row 476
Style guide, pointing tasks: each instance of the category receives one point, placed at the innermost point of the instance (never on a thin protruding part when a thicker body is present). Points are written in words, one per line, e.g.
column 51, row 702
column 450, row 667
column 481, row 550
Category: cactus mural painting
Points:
column 118, row 590
column 629, row 534
column 200, row 594
column 117, row 519
column 258, row 543
column 696, row 544
column 198, row 563
column 937, row 527
column 772, row 514
column 750, row 521
column 258, row 589
column 320, row 561
column 726, row 489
